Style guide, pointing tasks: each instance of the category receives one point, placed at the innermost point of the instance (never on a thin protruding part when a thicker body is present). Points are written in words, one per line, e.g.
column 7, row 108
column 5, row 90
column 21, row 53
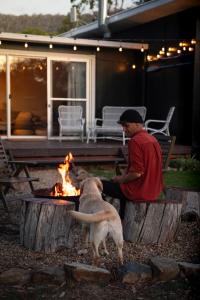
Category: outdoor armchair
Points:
column 71, row 121
column 163, row 125
column 107, row 127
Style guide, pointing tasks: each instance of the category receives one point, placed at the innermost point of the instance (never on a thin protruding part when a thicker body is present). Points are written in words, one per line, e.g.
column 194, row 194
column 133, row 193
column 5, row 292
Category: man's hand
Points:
column 126, row 177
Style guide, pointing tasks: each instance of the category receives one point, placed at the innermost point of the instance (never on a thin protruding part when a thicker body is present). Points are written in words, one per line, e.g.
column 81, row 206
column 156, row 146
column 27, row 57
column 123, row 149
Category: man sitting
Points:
column 142, row 179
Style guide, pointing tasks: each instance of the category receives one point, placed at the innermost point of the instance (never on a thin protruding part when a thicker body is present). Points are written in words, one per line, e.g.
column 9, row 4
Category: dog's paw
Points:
column 105, row 253
column 82, row 251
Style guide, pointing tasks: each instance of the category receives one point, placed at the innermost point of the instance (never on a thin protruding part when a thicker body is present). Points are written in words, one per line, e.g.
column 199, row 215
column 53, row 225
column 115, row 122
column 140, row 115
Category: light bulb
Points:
column 74, row 48
column 98, row 49
column 193, row 42
column 120, row 49
column 133, row 66
column 26, row 45
column 142, row 49
column 50, row 46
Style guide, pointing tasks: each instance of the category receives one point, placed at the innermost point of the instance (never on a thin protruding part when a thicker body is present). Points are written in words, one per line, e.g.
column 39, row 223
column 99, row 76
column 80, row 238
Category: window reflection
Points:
column 28, row 95
column 69, row 79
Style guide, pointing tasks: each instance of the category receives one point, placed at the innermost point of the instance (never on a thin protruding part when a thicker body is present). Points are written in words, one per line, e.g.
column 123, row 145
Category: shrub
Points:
column 185, row 164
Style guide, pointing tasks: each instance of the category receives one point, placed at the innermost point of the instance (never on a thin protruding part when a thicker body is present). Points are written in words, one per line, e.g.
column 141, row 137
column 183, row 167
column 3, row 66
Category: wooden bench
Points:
column 9, row 174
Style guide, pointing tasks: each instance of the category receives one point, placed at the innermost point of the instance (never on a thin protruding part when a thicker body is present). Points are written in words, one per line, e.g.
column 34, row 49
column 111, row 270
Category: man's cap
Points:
column 130, row 116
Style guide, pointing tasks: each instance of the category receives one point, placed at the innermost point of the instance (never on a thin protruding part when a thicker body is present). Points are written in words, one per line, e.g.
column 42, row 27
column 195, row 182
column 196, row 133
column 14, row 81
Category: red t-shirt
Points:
column 144, row 157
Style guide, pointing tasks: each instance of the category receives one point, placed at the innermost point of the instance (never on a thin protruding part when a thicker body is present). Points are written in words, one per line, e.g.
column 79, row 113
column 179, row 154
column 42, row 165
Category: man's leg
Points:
column 113, row 190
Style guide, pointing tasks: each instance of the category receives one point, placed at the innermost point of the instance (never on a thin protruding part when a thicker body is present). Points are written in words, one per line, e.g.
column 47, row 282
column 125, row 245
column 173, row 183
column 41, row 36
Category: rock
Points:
column 133, row 272
column 15, row 276
column 189, row 269
column 82, row 272
column 50, row 275
column 164, row 269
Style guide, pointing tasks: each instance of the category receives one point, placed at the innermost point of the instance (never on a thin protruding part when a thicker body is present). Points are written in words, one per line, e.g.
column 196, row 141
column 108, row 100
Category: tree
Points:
column 113, row 5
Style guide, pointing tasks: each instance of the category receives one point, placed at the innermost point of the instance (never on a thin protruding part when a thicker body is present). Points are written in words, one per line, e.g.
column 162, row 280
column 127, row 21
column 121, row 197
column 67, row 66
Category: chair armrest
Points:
column 153, row 121
column 94, row 123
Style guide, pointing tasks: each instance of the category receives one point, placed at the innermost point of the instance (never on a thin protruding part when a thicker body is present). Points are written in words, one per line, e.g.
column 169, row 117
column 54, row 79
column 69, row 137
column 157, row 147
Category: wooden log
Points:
column 45, row 224
column 148, row 223
column 190, row 199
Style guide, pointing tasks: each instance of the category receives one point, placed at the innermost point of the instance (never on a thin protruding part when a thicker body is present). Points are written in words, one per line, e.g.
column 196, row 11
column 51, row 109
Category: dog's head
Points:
column 81, row 174
column 90, row 180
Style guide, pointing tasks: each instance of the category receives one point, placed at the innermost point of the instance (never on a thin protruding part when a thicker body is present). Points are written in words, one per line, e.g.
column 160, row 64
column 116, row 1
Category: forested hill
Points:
column 41, row 23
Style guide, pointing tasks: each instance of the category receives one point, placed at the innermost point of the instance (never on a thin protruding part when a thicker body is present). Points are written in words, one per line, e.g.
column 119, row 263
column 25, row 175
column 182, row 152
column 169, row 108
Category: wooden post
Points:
column 148, row 223
column 45, row 224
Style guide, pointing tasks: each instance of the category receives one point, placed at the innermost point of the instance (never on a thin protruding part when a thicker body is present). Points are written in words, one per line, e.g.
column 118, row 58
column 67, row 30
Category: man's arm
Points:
column 131, row 176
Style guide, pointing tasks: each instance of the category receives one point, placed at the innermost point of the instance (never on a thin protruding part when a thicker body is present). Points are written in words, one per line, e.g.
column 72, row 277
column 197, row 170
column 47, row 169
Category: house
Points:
column 171, row 74
column 39, row 73
column 113, row 61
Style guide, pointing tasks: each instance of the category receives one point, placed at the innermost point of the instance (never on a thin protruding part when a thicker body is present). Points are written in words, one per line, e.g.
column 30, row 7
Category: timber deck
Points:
column 53, row 152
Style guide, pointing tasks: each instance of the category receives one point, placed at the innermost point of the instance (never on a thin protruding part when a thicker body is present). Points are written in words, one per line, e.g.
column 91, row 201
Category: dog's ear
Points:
column 99, row 184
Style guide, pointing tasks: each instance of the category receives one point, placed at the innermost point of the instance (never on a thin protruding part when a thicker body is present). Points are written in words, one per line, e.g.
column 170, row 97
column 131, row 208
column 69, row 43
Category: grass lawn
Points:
column 186, row 179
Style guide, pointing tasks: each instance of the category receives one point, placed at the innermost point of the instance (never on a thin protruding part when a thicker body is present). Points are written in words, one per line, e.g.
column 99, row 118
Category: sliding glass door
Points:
column 32, row 87
column 68, row 86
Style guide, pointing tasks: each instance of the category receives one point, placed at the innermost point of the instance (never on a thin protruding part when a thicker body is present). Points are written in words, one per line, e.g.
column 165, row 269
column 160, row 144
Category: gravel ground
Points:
column 12, row 254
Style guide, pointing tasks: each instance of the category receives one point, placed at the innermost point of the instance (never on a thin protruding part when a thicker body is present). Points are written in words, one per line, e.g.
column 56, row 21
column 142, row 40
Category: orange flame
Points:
column 66, row 188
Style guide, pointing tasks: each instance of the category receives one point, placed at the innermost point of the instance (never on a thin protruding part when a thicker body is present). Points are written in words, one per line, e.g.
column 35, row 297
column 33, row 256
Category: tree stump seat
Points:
column 190, row 198
column 151, row 222
column 45, row 224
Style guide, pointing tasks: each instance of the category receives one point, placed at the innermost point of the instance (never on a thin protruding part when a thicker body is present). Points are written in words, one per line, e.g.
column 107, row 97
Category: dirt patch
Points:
column 184, row 248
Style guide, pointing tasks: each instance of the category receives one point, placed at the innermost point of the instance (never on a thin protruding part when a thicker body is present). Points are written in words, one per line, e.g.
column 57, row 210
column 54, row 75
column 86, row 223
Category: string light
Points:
column 74, row 47
column 0, row 42
column 133, row 66
column 142, row 49
column 193, row 42
column 98, row 49
column 120, row 49
column 26, row 45
column 50, row 46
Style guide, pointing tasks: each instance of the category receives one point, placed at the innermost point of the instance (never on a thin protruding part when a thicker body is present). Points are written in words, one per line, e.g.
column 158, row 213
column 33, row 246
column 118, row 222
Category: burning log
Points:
column 67, row 187
column 45, row 224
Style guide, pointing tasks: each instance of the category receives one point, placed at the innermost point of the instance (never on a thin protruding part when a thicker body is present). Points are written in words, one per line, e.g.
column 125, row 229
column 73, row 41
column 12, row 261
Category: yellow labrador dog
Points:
column 101, row 216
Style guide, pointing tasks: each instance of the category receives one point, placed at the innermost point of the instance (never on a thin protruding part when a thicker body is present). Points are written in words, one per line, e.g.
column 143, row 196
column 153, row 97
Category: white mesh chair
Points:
column 71, row 121
column 163, row 124
column 107, row 127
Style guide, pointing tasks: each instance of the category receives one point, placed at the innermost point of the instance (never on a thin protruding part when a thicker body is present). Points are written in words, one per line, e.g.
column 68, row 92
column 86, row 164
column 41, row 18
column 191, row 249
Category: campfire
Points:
column 66, row 188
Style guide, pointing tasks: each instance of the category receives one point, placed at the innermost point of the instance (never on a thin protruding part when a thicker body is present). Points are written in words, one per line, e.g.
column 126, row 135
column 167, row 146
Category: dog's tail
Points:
column 92, row 218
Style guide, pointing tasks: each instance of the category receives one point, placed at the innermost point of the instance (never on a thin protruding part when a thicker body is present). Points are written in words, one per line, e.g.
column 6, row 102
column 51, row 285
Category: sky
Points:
column 29, row 7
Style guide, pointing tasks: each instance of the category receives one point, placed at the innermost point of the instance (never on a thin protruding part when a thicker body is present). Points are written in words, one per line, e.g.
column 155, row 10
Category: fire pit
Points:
column 47, row 194
column 65, row 190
